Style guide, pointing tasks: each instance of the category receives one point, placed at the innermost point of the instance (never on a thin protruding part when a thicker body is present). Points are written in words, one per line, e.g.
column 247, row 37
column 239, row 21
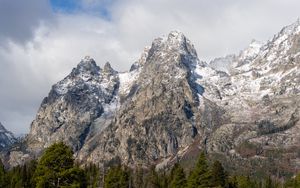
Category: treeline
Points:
column 56, row 168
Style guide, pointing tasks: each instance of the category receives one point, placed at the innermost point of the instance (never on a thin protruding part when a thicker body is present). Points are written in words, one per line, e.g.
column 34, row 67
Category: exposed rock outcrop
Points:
column 6, row 138
column 170, row 104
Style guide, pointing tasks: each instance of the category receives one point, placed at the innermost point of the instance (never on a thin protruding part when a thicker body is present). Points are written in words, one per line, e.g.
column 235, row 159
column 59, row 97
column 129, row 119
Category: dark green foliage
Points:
column 293, row 182
column 138, row 178
column 244, row 182
column 117, row 177
column 156, row 179
column 177, row 177
column 163, row 178
column 152, row 179
column 2, row 175
column 269, row 183
column 56, row 168
column 20, row 176
column 93, row 176
column 219, row 177
column 232, row 182
column 201, row 175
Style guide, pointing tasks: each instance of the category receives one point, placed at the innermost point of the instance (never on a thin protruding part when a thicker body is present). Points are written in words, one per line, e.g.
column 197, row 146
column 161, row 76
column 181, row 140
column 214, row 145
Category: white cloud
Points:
column 27, row 70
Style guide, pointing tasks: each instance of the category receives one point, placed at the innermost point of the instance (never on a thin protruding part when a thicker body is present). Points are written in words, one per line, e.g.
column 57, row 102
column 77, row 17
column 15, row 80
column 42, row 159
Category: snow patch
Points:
column 126, row 81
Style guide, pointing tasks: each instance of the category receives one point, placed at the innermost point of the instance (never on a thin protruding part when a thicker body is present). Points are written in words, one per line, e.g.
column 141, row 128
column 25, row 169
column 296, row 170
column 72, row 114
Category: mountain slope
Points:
column 67, row 114
column 157, row 117
column 170, row 105
column 6, row 138
column 261, row 98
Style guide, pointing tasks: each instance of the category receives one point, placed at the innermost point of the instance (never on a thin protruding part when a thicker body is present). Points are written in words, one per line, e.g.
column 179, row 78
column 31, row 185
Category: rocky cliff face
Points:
column 261, row 97
column 73, row 104
column 157, row 117
column 170, row 105
column 6, row 138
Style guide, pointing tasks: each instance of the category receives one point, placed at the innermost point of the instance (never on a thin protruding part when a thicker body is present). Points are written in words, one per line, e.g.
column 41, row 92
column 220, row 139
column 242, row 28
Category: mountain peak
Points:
column 174, row 42
column 251, row 51
column 287, row 31
column 292, row 28
column 87, row 62
column 176, row 35
column 86, row 65
column 176, row 38
column 107, row 68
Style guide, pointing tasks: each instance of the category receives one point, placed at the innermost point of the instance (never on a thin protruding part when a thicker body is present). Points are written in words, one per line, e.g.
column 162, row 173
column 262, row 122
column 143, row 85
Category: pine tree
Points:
column 200, row 176
column 268, row 182
column 138, row 177
column 56, row 168
column 152, row 179
column 177, row 177
column 117, row 178
column 244, row 182
column 2, row 175
column 219, row 177
column 93, row 176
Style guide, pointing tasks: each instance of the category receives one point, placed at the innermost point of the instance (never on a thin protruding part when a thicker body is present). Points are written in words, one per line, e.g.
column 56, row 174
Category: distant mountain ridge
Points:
column 241, row 109
column 6, row 138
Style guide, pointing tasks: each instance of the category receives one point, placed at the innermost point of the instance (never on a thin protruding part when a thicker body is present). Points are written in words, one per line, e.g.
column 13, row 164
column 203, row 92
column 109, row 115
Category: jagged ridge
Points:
column 171, row 104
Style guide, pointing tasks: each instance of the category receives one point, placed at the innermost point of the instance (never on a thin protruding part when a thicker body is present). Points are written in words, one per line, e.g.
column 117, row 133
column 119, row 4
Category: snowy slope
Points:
column 6, row 138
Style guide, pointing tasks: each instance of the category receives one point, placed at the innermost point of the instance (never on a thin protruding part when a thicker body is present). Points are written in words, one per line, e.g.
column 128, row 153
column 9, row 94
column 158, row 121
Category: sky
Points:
column 42, row 40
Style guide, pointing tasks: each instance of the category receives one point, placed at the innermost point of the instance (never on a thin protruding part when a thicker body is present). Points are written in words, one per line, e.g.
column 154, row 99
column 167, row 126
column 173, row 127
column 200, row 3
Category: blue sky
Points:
column 65, row 5
column 98, row 8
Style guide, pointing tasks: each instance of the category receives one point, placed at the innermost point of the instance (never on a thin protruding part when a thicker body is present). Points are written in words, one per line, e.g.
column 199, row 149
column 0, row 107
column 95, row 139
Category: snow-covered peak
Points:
column 251, row 51
column 176, row 36
column 294, row 28
column 282, row 41
column 6, row 137
column 281, row 50
column 87, row 71
column 87, row 65
column 173, row 46
column 175, row 41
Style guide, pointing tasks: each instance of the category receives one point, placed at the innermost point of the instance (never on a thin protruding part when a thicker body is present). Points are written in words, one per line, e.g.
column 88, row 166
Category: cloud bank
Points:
column 40, row 43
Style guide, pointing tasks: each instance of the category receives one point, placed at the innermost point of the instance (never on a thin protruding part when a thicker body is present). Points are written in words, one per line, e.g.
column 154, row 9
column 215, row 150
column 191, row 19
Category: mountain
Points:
column 242, row 109
column 73, row 104
column 261, row 99
column 6, row 138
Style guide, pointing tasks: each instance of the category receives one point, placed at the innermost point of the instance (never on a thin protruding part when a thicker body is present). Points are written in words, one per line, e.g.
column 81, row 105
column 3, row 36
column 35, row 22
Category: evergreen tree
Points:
column 293, row 182
column 244, row 182
column 2, row 175
column 139, row 177
column 93, row 176
column 152, row 179
column 177, row 177
column 268, row 182
column 232, row 182
column 116, row 177
column 28, row 171
column 296, row 181
column 163, row 178
column 219, row 177
column 14, row 177
column 56, row 168
column 201, row 175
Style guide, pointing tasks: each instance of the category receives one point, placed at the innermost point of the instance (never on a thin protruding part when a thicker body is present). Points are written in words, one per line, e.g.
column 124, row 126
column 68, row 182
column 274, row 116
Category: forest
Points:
column 57, row 169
